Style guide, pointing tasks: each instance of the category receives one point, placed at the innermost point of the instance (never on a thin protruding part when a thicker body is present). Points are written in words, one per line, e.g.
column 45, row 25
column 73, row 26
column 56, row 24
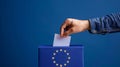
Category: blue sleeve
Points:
column 107, row 24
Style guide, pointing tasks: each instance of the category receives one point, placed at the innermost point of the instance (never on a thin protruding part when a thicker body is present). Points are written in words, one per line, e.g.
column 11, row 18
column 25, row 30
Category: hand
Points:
column 71, row 26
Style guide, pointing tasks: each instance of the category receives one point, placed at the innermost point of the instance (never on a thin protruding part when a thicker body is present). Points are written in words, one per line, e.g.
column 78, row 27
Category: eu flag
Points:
column 49, row 56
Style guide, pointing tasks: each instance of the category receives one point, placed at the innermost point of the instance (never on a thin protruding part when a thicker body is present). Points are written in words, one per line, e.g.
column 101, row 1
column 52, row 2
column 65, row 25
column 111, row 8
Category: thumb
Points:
column 68, row 32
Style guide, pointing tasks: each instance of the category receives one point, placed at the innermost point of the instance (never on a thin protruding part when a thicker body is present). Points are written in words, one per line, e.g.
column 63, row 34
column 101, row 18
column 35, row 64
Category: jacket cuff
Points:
column 92, row 26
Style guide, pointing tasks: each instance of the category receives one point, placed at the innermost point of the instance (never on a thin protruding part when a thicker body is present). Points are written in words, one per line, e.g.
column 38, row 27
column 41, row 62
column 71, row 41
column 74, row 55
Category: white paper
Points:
column 59, row 41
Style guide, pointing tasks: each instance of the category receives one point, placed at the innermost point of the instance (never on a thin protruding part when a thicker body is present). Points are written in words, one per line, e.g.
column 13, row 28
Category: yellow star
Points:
column 60, row 65
column 69, row 57
column 56, row 51
column 60, row 49
column 57, row 64
column 65, row 64
column 54, row 61
column 67, row 61
column 53, row 57
column 65, row 51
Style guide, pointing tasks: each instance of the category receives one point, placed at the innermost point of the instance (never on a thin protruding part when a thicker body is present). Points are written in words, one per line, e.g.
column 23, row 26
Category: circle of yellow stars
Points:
column 58, row 64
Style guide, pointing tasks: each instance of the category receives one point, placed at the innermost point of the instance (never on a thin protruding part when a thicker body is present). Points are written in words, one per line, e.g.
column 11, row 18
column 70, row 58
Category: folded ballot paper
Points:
column 60, row 41
column 61, row 54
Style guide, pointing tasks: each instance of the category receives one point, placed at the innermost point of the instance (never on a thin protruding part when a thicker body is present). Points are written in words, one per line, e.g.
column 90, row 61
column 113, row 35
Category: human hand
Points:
column 71, row 26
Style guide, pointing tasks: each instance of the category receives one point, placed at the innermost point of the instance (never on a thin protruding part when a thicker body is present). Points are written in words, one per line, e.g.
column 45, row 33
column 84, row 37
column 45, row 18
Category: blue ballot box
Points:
column 49, row 56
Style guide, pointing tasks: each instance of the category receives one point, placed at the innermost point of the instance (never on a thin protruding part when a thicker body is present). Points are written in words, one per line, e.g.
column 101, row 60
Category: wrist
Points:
column 87, row 24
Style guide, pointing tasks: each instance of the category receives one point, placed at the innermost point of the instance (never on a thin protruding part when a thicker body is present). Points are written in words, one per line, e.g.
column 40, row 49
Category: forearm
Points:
column 107, row 24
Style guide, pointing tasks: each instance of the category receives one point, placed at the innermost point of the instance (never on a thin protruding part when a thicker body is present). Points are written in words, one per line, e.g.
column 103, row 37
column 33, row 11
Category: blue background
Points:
column 26, row 24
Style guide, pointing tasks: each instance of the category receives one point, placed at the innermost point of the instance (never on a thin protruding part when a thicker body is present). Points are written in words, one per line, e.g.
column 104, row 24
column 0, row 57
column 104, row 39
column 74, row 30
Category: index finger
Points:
column 62, row 29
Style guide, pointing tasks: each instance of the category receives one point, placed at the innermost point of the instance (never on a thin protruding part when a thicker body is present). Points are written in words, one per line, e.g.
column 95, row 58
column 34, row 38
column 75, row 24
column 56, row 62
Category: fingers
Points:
column 62, row 29
column 65, row 26
column 68, row 32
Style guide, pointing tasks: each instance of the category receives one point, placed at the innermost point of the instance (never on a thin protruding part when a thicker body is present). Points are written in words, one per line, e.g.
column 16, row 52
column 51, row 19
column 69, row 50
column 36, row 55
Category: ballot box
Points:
column 72, row 56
